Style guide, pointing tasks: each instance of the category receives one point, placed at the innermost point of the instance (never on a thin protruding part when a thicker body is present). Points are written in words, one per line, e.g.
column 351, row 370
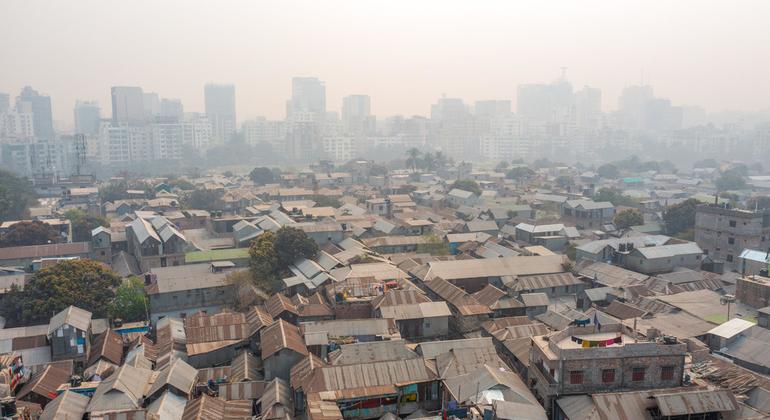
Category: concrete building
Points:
column 308, row 96
column 127, row 105
column 220, row 109
column 88, row 118
column 179, row 291
column 582, row 360
column 724, row 233
column 356, row 115
column 31, row 102
column 587, row 214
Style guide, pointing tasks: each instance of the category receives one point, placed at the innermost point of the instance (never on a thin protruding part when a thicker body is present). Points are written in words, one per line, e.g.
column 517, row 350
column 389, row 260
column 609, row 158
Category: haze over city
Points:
column 403, row 54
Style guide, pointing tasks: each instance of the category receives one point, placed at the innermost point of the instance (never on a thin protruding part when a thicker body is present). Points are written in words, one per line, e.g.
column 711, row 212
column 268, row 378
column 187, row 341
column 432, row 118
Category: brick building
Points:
column 724, row 233
column 580, row 360
column 753, row 291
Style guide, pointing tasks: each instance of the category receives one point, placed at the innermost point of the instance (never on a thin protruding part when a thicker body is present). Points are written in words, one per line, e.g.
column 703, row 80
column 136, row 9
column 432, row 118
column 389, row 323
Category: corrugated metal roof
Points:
column 45, row 382
column 109, row 346
column 399, row 297
column 68, row 405
column 506, row 266
column 71, row 315
column 123, row 390
column 464, row 303
column 416, row 311
column 179, row 375
column 696, row 402
column 281, row 335
column 366, row 379
column 376, row 351
column 431, row 349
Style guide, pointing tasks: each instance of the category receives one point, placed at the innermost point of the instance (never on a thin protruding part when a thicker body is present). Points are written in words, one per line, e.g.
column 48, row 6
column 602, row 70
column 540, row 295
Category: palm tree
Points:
column 429, row 162
column 414, row 154
column 441, row 159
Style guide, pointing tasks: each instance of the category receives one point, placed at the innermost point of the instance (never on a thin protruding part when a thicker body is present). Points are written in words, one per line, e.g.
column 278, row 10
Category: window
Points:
column 637, row 374
column 667, row 373
column 566, row 289
column 732, row 223
column 608, row 376
column 731, row 241
column 553, row 290
column 576, row 377
column 729, row 258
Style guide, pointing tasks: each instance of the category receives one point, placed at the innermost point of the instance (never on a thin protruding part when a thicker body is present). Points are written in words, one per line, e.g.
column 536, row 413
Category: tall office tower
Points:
column 171, row 108
column 127, row 105
column 588, row 108
column 452, row 128
column 492, row 108
column 308, row 95
column 31, row 102
column 356, row 114
column 220, row 108
column 88, row 117
column 632, row 105
column 151, row 104
column 5, row 102
column 545, row 103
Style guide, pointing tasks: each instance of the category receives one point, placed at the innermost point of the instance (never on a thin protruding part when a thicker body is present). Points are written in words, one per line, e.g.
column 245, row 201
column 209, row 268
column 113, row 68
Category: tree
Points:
column 16, row 196
column 730, row 180
column 542, row 163
column 706, row 163
column 378, row 170
column 84, row 283
column 441, row 159
column 502, row 166
column 29, row 233
column 433, row 245
column 680, row 217
column 519, row 173
column 429, row 162
column 467, row 185
column 203, row 199
column 564, row 181
column 263, row 258
column 760, row 202
column 130, row 302
column 615, row 196
column 261, row 175
column 413, row 156
column 627, row 218
column 83, row 223
column 292, row 244
column 326, row 201
column 608, row 171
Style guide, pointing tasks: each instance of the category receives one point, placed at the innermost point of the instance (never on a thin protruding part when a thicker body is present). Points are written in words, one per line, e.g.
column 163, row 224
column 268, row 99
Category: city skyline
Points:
column 403, row 64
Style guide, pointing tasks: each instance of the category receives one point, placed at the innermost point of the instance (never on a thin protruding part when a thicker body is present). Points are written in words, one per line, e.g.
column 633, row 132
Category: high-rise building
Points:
column 492, row 108
column 588, row 108
column 220, row 109
column 356, row 114
column 5, row 102
column 538, row 102
column 452, row 128
column 31, row 102
column 128, row 105
column 632, row 106
column 151, row 104
column 171, row 108
column 308, row 95
column 87, row 117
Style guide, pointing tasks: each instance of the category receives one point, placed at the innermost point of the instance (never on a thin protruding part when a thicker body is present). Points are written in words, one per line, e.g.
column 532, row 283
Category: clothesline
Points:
column 597, row 343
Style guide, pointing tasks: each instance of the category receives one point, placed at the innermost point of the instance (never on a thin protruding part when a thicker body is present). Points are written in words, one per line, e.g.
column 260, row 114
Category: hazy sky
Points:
column 404, row 54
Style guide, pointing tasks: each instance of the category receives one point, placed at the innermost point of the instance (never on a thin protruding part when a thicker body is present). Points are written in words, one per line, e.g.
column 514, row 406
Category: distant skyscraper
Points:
column 220, row 109
column 128, row 105
column 356, row 114
column 151, row 104
column 632, row 105
column 87, row 118
column 308, row 95
column 492, row 108
column 172, row 108
column 544, row 102
column 588, row 107
column 30, row 101
column 5, row 102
